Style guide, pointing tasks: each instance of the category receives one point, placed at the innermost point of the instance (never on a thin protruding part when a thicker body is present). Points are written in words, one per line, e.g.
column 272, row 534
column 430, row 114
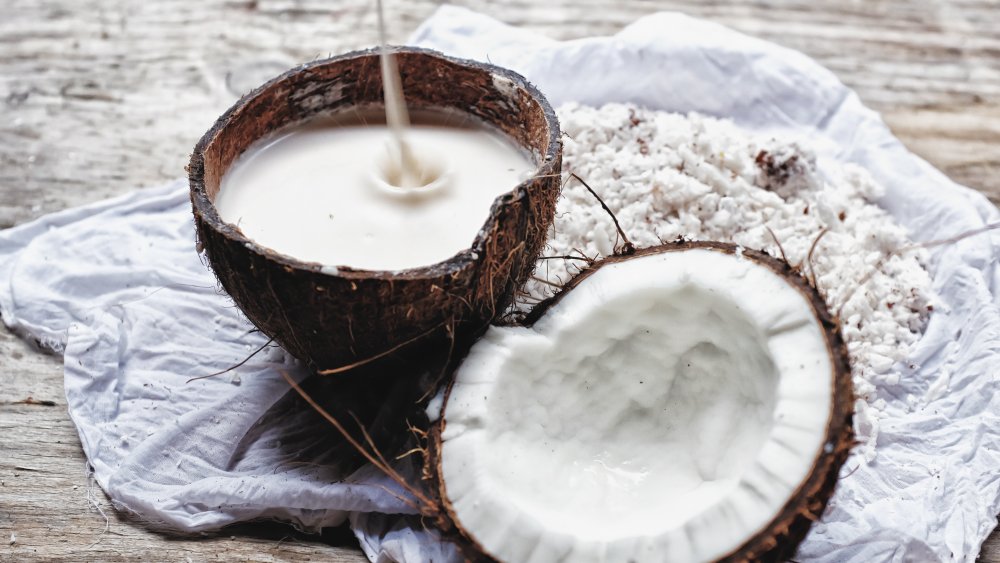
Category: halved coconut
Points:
column 332, row 317
column 691, row 402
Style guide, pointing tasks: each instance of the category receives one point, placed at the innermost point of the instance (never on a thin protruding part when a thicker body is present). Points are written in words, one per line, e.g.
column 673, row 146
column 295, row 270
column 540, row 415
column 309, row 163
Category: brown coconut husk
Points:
column 334, row 320
column 780, row 538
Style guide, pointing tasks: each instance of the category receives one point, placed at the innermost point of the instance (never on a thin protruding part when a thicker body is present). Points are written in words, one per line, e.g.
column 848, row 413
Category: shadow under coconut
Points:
column 378, row 404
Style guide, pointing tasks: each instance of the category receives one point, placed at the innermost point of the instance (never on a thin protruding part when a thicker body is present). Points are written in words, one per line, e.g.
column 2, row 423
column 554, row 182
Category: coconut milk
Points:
column 329, row 191
column 372, row 191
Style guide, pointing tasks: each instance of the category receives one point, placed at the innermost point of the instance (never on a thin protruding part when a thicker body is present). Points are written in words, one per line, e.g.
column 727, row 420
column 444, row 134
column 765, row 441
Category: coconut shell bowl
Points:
column 335, row 317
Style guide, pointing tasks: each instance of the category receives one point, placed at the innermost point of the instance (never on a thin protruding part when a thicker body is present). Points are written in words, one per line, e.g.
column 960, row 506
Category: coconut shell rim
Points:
column 780, row 537
column 205, row 208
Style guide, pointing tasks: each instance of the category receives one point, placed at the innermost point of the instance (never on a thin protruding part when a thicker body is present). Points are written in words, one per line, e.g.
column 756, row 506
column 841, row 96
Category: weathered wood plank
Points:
column 97, row 98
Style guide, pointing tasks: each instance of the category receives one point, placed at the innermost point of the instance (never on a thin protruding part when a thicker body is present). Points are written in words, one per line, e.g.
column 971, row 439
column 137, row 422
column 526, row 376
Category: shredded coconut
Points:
column 669, row 176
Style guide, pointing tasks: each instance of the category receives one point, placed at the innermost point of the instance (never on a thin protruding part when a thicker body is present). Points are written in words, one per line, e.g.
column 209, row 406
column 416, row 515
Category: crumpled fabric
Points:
column 118, row 288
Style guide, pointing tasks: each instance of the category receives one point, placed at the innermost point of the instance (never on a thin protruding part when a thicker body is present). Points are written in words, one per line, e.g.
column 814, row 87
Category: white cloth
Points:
column 118, row 288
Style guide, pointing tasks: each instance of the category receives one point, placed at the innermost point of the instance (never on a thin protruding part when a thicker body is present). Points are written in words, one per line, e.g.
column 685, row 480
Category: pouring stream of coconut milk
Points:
column 405, row 170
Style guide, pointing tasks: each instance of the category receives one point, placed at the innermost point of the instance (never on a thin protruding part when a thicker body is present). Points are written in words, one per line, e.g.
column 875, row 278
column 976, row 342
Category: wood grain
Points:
column 98, row 98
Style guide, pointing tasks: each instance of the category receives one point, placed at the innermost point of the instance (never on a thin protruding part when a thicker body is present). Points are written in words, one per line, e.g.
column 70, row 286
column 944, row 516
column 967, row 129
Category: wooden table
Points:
column 97, row 98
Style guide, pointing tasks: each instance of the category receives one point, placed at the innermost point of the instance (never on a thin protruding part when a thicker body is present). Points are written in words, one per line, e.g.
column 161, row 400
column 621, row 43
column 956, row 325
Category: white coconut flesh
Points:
column 665, row 409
